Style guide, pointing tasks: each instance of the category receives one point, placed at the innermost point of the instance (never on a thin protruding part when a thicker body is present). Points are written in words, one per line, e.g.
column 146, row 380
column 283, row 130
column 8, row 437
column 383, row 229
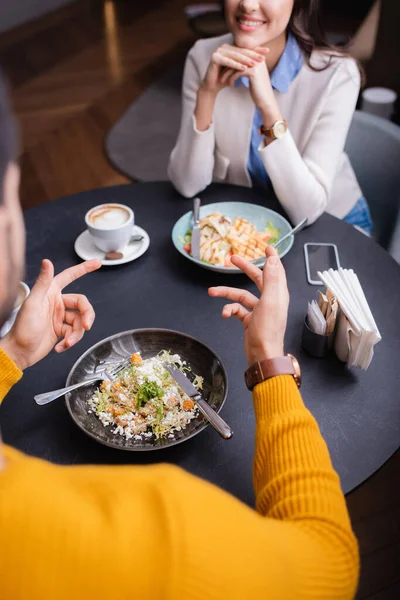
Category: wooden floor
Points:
column 73, row 73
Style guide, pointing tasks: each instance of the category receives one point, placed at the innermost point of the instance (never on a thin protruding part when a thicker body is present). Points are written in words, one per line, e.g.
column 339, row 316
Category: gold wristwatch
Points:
column 271, row 367
column 278, row 129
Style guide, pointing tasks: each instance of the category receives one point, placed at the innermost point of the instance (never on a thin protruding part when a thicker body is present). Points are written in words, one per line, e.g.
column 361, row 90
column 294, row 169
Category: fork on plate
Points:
column 110, row 373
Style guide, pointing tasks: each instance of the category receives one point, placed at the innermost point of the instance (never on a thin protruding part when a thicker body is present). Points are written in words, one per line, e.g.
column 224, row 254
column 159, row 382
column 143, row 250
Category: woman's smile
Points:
column 256, row 23
column 249, row 23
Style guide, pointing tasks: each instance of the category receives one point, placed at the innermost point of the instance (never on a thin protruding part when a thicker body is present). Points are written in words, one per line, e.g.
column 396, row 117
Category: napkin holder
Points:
column 342, row 341
column 315, row 344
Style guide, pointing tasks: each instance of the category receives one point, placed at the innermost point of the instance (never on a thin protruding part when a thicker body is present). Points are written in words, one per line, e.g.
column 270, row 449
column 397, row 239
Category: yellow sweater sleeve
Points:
column 156, row 532
column 9, row 374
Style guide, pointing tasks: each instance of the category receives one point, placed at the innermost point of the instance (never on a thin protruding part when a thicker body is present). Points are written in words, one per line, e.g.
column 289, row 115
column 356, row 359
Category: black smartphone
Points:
column 320, row 257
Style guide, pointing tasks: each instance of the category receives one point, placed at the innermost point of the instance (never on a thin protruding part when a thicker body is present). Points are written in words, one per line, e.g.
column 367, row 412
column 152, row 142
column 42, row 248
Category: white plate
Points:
column 257, row 215
column 86, row 249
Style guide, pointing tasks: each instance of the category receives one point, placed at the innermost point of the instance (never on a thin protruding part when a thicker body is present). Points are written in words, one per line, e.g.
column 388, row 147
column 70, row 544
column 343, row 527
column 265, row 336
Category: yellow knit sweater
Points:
column 152, row 532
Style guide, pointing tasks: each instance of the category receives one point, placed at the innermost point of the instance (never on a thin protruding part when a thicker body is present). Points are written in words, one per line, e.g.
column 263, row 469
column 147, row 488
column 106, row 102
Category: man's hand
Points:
column 265, row 322
column 48, row 318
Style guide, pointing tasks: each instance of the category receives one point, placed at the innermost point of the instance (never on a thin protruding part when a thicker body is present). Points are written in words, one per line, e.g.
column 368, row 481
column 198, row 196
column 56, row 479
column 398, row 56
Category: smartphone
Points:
column 320, row 257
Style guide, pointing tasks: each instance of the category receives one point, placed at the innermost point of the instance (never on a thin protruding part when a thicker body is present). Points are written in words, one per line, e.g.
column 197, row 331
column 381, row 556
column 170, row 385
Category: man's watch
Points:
column 271, row 367
column 278, row 129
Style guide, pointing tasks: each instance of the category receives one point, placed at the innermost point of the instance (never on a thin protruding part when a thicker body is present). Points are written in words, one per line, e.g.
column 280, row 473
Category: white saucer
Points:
column 86, row 249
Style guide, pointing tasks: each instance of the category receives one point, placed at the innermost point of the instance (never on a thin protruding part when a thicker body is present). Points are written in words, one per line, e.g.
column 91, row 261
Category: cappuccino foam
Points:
column 108, row 217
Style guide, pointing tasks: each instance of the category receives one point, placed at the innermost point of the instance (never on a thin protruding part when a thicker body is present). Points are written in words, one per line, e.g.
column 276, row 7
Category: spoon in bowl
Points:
column 296, row 229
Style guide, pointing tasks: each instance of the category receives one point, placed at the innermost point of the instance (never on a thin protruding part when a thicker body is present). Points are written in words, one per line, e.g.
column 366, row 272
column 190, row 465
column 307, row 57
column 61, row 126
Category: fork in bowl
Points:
column 110, row 373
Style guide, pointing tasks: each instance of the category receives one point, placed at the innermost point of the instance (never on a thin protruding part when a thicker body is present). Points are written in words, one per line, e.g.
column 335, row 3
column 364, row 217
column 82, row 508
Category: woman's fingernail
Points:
column 273, row 261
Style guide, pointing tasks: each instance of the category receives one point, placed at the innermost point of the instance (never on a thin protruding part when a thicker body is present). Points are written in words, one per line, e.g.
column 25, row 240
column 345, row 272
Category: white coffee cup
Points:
column 379, row 101
column 23, row 293
column 110, row 226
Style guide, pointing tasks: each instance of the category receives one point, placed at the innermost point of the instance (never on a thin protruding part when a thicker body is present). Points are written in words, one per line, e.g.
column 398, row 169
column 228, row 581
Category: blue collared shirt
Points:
column 282, row 76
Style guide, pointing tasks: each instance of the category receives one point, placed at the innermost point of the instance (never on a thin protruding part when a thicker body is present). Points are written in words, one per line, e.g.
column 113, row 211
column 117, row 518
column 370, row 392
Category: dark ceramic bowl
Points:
column 202, row 360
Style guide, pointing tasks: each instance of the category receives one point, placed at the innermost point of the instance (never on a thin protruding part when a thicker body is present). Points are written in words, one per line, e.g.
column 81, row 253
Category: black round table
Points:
column 358, row 412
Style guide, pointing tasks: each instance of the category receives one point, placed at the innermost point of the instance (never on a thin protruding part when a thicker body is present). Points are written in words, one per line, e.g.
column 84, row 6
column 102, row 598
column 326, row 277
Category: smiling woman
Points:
column 270, row 105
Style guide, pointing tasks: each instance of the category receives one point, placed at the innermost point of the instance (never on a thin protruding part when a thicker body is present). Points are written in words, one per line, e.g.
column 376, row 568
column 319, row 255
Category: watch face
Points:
column 279, row 129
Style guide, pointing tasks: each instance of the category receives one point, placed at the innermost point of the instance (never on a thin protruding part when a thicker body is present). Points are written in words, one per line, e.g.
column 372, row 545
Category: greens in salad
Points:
column 274, row 232
column 145, row 400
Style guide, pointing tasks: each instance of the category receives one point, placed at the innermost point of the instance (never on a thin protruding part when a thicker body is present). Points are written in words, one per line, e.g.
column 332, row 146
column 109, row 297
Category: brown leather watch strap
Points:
column 260, row 371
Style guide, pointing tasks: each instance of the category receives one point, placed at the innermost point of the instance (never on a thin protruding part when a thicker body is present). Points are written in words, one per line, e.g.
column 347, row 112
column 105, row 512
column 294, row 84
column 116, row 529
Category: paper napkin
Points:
column 357, row 332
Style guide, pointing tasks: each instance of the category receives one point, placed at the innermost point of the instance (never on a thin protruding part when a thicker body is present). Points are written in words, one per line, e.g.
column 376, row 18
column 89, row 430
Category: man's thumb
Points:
column 44, row 280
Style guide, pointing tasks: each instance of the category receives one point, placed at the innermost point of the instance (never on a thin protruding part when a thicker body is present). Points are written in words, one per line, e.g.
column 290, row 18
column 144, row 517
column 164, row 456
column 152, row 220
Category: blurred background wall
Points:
column 13, row 13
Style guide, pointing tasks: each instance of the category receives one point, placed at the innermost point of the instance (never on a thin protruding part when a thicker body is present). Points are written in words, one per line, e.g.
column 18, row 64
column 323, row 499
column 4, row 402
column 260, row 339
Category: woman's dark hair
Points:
column 306, row 26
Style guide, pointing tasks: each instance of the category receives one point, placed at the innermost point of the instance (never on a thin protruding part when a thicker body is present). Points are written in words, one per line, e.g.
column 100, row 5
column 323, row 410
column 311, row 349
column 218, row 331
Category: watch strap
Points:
column 265, row 369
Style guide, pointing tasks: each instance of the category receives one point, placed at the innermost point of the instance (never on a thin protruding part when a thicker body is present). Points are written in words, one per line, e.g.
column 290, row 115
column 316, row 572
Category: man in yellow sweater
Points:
column 156, row 532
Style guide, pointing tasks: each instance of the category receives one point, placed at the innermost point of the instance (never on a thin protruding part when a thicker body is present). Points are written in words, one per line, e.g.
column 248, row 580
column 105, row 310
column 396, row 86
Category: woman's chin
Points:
column 249, row 41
